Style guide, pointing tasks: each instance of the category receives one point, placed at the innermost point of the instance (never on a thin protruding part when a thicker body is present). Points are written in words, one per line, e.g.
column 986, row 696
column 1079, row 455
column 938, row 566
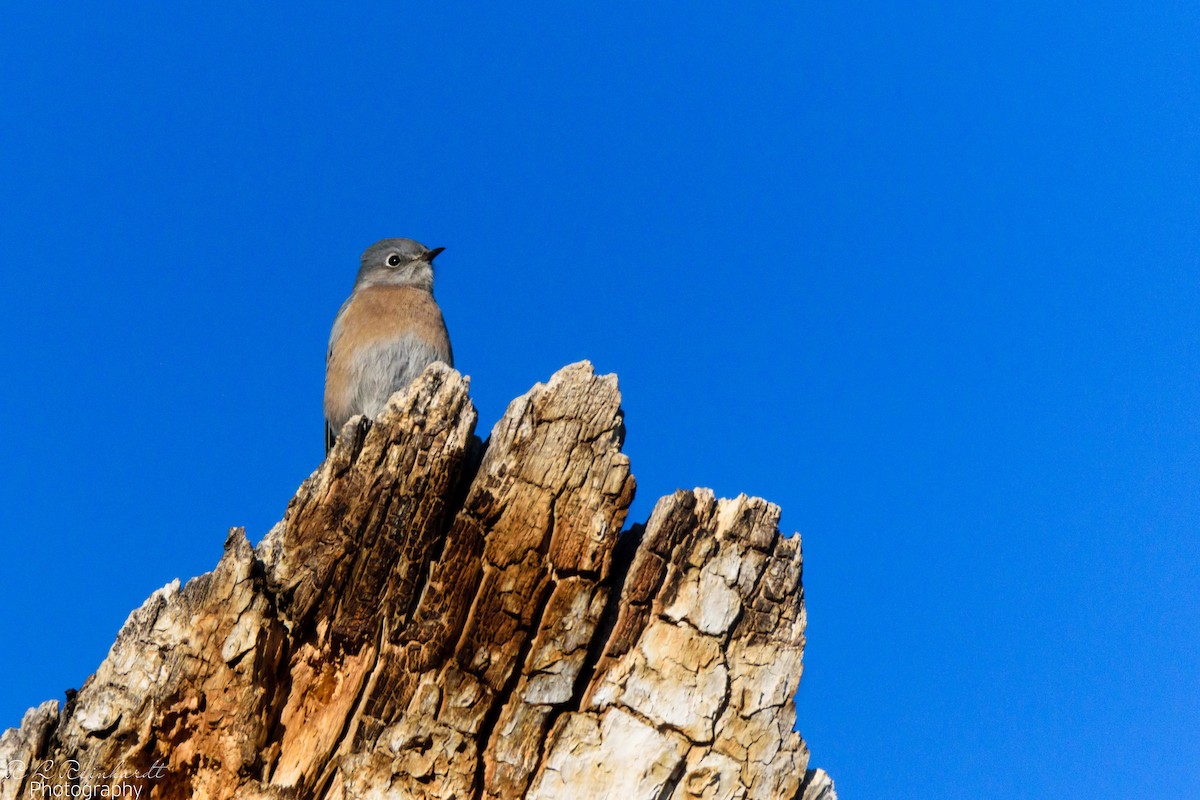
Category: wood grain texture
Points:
column 438, row 617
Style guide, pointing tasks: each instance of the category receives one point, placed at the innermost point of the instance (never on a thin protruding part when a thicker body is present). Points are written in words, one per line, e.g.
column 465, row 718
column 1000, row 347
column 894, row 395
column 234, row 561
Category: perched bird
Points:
column 387, row 331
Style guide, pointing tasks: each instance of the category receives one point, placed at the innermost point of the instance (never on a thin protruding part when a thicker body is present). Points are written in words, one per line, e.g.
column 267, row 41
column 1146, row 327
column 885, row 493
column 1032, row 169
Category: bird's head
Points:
column 397, row 262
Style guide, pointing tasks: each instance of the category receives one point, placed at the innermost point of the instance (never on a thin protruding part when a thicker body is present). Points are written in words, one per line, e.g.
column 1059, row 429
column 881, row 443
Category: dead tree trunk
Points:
column 437, row 617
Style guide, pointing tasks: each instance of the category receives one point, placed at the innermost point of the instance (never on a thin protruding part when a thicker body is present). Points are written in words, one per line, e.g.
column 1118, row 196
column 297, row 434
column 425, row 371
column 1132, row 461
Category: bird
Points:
column 389, row 329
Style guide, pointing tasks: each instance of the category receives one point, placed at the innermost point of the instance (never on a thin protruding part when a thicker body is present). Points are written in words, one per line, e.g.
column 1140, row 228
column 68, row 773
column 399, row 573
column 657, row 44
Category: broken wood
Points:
column 437, row 617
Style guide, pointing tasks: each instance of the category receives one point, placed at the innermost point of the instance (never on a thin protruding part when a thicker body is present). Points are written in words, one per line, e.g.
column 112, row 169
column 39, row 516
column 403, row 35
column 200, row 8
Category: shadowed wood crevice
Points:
column 440, row 617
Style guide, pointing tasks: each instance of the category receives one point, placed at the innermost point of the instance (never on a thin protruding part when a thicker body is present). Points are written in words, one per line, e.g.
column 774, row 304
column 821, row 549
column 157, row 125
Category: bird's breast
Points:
column 381, row 313
column 377, row 326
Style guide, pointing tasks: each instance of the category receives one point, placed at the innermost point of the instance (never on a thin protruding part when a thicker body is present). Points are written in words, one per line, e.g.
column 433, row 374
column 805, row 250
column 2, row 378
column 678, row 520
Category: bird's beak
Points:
column 432, row 254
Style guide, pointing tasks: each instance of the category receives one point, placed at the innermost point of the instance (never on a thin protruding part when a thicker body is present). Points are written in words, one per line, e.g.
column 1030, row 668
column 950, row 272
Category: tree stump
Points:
column 438, row 617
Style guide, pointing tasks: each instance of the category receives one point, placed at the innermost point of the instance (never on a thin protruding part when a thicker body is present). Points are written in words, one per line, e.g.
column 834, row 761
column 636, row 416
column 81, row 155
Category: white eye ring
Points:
column 393, row 260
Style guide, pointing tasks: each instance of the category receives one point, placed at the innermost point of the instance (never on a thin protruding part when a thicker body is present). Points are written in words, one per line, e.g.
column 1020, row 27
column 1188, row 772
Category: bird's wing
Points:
column 334, row 335
column 336, row 331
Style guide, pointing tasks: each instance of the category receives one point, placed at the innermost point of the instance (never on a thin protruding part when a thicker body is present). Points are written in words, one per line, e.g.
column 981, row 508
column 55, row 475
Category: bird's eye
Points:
column 393, row 260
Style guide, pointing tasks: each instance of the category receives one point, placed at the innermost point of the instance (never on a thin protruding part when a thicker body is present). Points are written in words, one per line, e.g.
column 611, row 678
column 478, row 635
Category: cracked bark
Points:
column 437, row 617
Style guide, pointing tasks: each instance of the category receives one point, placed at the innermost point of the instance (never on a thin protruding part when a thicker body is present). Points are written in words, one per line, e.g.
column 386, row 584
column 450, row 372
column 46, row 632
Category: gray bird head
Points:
column 397, row 262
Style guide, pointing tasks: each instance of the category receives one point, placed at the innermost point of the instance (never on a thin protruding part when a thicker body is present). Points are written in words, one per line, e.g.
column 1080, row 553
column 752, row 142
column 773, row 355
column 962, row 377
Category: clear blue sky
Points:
column 926, row 276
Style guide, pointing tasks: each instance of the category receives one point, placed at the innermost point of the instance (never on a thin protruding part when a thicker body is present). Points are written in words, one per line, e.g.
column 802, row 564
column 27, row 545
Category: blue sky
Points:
column 925, row 276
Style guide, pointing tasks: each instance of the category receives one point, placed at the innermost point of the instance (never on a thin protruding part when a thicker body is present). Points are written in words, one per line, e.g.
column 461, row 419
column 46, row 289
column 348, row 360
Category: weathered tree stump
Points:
column 437, row 617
